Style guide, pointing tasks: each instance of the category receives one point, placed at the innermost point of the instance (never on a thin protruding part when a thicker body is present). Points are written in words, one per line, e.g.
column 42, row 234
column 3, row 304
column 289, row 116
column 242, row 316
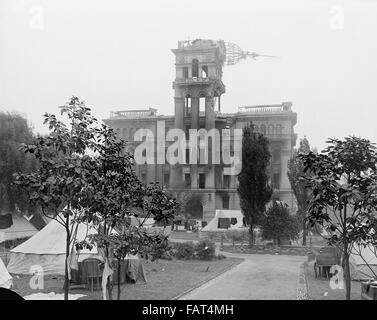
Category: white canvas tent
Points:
column 47, row 249
column 362, row 261
column 21, row 228
column 235, row 214
column 5, row 277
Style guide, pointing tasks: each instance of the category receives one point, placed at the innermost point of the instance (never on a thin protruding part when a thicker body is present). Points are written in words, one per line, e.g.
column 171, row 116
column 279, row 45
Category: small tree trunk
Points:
column 347, row 275
column 118, row 296
column 251, row 235
column 66, row 278
column 109, row 284
column 346, row 261
column 109, row 289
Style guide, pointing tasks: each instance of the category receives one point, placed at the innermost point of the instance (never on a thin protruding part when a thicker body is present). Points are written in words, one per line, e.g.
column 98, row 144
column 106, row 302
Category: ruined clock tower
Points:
column 197, row 91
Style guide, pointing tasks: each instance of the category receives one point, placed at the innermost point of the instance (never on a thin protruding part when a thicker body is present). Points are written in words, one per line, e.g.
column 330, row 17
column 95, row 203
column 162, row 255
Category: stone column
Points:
column 176, row 180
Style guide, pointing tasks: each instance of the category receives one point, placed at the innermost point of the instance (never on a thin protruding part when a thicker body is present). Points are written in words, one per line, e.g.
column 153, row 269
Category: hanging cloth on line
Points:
column 223, row 223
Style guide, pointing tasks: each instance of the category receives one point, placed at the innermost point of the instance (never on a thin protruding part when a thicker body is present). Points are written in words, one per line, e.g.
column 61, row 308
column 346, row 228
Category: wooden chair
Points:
column 91, row 272
column 323, row 263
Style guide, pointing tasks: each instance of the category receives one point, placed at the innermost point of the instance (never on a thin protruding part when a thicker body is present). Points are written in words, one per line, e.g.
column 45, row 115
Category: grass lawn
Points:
column 319, row 286
column 165, row 280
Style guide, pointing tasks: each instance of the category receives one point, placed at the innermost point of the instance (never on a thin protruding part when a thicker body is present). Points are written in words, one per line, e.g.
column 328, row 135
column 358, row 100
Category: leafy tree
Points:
column 113, row 194
column 302, row 194
column 343, row 180
column 279, row 225
column 14, row 130
column 61, row 180
column 254, row 189
column 194, row 206
column 85, row 175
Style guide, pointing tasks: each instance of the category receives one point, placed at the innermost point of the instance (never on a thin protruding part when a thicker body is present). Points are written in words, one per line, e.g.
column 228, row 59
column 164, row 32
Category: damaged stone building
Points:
column 198, row 88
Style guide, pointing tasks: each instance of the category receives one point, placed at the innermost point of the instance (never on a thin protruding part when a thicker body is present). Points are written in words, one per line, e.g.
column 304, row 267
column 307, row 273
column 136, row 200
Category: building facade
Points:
column 198, row 88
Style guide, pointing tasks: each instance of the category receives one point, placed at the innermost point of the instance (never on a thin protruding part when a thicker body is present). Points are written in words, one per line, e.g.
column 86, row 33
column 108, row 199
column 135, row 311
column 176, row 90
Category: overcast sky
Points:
column 116, row 56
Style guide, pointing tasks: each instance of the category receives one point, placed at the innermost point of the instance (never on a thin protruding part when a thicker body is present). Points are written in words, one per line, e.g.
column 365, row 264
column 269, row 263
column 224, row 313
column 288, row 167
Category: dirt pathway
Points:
column 258, row 277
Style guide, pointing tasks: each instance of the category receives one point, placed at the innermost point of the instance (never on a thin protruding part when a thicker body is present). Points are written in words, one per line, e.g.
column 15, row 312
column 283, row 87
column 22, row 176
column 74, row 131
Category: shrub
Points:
column 204, row 250
column 183, row 250
column 279, row 225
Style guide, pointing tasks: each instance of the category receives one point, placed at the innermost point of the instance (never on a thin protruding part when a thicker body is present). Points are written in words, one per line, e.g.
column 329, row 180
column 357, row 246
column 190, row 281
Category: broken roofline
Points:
column 285, row 107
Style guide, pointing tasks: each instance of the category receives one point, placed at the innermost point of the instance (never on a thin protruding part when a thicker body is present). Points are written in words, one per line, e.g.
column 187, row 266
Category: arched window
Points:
column 195, row 68
column 271, row 129
column 131, row 134
column 125, row 133
column 278, row 129
column 263, row 129
column 185, row 72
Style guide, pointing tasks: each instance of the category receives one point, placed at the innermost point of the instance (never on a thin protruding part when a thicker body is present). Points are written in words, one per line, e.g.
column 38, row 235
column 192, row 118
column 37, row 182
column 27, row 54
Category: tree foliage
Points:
column 254, row 189
column 343, row 180
column 60, row 183
column 295, row 171
column 279, row 225
column 14, row 130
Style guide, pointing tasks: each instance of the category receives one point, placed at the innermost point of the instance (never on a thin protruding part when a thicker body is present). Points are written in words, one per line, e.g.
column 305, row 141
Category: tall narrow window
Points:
column 226, row 202
column 278, row 129
column 276, row 156
column 185, row 72
column 195, row 68
column 132, row 134
column 202, row 103
column 263, row 129
column 187, row 105
column 125, row 133
column 226, row 181
column 204, row 71
column 276, row 181
column 202, row 180
column 187, row 180
column 271, row 129
column 166, row 179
